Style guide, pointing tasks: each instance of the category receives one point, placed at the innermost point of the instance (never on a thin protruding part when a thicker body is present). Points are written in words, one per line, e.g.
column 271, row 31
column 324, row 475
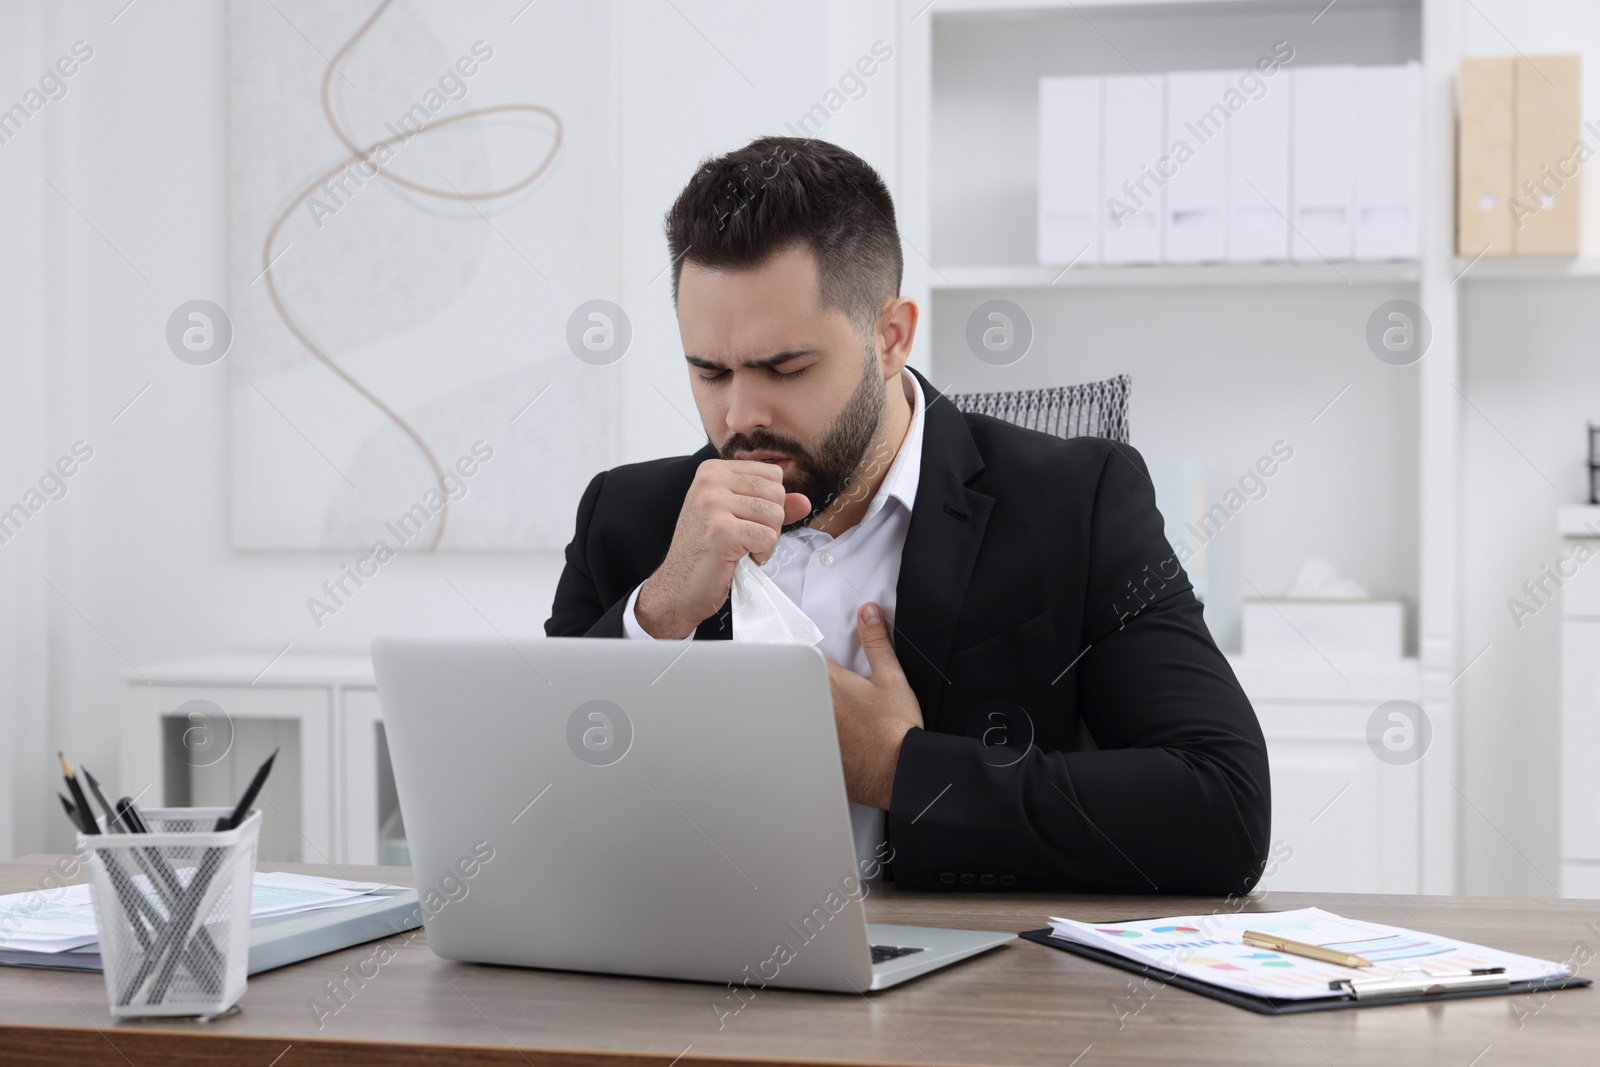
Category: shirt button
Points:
column 826, row 558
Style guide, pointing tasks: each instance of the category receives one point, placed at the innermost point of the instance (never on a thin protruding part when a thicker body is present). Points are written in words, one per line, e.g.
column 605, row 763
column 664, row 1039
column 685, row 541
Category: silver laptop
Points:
column 660, row 809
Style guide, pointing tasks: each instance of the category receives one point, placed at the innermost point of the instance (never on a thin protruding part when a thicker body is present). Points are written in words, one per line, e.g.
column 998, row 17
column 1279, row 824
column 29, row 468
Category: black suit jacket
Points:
column 1082, row 731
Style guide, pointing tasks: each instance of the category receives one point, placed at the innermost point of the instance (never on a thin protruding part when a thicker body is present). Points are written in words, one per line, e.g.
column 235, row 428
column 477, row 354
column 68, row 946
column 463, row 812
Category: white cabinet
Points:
column 372, row 827
column 198, row 744
column 199, row 728
column 1580, row 705
column 1580, row 738
column 1346, row 809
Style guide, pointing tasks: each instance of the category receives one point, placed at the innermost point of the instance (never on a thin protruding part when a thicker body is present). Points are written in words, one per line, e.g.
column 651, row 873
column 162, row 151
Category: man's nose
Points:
column 749, row 408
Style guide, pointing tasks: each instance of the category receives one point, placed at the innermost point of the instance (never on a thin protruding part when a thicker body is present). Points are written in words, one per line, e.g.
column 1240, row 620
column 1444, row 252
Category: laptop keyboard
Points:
column 885, row 953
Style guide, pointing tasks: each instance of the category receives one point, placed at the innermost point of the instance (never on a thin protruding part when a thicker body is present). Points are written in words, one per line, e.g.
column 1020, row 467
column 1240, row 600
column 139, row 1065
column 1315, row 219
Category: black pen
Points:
column 131, row 817
column 228, row 822
column 112, row 822
column 72, row 813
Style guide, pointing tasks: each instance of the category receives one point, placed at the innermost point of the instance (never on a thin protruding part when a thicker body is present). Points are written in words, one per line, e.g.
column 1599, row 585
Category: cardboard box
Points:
column 1518, row 182
column 1486, row 140
column 1546, row 171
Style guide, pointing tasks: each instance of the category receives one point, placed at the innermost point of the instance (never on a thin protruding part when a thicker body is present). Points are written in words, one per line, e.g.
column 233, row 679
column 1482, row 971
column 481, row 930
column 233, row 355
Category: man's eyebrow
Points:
column 774, row 360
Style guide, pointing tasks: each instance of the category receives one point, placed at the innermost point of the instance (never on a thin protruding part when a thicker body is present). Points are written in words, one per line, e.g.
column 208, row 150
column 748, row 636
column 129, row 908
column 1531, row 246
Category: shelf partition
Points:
column 1220, row 274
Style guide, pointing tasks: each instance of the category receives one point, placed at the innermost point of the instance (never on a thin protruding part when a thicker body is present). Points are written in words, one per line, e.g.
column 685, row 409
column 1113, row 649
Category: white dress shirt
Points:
column 829, row 578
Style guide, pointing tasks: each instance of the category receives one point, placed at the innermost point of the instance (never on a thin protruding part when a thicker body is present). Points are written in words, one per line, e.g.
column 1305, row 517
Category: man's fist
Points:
column 734, row 508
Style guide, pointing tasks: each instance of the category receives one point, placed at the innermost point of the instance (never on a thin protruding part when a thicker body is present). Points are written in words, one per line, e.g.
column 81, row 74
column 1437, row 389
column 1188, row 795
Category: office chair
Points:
column 1090, row 409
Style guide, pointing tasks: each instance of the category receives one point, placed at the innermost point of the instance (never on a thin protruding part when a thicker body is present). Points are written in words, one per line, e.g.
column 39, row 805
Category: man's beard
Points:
column 824, row 474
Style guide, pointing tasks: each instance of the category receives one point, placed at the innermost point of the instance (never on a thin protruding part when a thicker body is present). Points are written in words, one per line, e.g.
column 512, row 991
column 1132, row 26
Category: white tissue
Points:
column 761, row 611
column 1320, row 580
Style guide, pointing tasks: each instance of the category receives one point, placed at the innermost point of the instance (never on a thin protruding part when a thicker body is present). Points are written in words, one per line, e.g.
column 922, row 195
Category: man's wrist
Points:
column 661, row 626
column 883, row 792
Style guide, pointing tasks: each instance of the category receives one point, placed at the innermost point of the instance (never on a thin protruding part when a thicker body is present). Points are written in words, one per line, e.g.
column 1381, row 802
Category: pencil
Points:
column 85, row 812
column 138, row 910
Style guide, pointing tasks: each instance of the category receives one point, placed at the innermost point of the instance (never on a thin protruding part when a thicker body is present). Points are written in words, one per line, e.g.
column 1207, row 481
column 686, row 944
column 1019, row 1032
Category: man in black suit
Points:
column 1026, row 693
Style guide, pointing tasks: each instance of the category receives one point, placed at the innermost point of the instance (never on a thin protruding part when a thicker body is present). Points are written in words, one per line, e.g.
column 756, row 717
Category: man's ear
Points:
column 897, row 329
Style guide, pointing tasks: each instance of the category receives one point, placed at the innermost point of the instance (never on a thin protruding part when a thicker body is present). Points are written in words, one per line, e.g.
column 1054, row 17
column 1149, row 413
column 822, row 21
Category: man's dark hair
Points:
column 741, row 208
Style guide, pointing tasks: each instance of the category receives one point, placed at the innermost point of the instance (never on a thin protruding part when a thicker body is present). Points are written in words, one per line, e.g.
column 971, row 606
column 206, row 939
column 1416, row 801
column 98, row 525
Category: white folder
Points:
column 1258, row 175
column 1323, row 184
column 1069, row 170
column 1388, row 100
column 1130, row 220
column 1197, row 119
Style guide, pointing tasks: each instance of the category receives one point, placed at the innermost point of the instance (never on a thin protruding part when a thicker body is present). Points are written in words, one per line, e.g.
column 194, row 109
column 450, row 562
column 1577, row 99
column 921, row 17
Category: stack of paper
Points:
column 1211, row 949
column 49, row 921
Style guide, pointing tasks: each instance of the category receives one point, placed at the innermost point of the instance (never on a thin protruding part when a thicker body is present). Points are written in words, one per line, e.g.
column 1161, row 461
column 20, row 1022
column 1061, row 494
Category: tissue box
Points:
column 1298, row 628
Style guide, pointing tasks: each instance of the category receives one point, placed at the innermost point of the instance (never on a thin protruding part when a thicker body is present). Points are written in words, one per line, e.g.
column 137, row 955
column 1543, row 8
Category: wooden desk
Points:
column 1021, row 1004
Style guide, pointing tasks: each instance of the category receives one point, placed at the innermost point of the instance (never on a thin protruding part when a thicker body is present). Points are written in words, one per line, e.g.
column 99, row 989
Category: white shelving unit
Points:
column 967, row 194
column 1580, row 709
column 1521, row 270
column 1226, row 274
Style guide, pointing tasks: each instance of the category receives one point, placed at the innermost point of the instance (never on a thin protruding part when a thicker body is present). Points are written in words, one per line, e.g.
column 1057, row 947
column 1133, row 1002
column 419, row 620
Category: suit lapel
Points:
column 942, row 542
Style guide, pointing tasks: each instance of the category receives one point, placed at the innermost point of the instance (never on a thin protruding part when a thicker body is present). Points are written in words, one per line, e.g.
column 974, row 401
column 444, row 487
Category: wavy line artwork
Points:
column 355, row 154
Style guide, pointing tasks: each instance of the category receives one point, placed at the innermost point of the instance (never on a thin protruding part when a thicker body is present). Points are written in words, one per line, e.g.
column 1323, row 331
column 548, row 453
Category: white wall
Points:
column 25, row 450
column 1533, row 377
column 140, row 545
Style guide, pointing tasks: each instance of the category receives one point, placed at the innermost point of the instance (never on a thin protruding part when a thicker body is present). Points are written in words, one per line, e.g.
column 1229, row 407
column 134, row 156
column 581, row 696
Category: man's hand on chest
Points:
column 873, row 714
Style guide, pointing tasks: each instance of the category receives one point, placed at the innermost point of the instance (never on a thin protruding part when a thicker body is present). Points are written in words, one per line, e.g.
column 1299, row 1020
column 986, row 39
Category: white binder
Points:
column 1194, row 222
column 1130, row 221
column 1323, row 183
column 1069, row 170
column 1258, row 177
column 1388, row 100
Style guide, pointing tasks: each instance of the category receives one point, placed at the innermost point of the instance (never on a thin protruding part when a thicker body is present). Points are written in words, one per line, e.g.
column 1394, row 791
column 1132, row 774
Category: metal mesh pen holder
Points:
column 172, row 910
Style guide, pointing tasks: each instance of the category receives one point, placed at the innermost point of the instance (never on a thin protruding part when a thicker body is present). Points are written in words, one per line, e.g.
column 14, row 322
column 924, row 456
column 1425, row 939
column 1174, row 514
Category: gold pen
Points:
column 1312, row 952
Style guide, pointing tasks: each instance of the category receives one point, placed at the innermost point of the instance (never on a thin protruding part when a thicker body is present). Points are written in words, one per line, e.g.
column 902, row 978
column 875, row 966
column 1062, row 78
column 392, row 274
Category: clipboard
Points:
column 1281, row 1006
